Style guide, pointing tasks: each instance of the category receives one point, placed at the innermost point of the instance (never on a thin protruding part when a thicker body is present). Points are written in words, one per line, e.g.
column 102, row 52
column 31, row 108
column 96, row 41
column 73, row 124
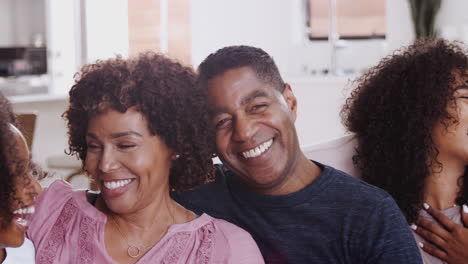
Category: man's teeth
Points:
column 116, row 184
column 28, row 210
column 255, row 152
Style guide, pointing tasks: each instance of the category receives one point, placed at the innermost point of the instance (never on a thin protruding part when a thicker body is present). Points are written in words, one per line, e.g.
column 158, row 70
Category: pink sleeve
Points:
column 234, row 245
column 49, row 204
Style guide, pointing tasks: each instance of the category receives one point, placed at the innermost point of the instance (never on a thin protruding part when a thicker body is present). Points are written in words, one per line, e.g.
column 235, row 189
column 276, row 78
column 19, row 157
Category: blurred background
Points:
column 320, row 46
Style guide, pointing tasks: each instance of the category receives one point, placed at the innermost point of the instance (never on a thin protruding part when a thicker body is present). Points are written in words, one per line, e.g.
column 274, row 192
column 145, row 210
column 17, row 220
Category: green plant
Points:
column 423, row 13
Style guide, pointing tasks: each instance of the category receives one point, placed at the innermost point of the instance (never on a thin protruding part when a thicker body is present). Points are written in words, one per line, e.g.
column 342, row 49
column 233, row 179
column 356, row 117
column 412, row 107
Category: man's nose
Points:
column 244, row 129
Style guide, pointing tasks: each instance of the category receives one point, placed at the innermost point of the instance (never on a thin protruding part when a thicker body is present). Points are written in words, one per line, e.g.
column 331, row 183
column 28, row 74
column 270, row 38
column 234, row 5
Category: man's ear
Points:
column 290, row 100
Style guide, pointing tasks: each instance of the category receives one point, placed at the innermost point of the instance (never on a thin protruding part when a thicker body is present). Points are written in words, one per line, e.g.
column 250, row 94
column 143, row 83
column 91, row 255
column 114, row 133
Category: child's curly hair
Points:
column 393, row 111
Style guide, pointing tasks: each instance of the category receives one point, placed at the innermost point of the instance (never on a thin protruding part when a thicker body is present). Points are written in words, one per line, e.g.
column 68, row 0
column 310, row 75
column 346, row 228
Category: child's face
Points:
column 27, row 188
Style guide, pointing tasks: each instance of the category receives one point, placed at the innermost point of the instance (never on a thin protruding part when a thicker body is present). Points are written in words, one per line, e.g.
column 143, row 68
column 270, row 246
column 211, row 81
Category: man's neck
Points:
column 301, row 175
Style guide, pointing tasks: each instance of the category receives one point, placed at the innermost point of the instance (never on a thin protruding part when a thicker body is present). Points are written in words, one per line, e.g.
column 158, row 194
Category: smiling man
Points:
column 297, row 210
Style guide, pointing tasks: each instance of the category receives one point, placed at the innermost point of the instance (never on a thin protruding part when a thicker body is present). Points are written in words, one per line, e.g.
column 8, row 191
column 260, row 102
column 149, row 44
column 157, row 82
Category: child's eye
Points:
column 93, row 147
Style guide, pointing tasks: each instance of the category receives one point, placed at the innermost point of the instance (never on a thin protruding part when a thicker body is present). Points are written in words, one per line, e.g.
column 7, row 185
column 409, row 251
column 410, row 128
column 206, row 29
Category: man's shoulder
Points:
column 346, row 187
column 211, row 190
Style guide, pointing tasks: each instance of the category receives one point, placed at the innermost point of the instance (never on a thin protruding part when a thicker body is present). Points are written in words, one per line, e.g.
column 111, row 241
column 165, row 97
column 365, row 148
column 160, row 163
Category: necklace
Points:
column 132, row 250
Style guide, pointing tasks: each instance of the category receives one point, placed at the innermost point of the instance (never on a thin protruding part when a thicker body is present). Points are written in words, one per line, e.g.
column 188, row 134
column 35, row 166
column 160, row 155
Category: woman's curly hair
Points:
column 164, row 92
column 393, row 111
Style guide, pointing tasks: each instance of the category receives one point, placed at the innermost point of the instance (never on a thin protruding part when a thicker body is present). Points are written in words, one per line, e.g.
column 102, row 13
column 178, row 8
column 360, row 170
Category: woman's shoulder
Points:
column 207, row 223
column 53, row 196
column 58, row 202
column 233, row 241
column 229, row 229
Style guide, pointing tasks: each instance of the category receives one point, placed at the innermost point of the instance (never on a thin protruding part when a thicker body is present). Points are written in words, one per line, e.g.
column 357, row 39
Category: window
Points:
column 146, row 30
column 355, row 19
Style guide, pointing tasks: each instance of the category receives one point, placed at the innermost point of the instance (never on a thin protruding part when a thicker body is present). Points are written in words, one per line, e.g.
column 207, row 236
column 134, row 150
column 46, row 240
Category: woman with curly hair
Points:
column 18, row 188
column 138, row 126
column 410, row 118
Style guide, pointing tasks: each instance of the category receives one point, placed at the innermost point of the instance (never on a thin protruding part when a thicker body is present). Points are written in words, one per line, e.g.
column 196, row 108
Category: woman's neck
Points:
column 442, row 186
column 153, row 218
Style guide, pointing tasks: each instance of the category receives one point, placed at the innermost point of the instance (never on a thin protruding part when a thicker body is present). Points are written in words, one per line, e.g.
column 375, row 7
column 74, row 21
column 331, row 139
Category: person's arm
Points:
column 449, row 240
column 386, row 237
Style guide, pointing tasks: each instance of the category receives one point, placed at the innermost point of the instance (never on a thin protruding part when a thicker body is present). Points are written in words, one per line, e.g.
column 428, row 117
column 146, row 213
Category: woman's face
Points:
column 27, row 188
column 452, row 141
column 130, row 166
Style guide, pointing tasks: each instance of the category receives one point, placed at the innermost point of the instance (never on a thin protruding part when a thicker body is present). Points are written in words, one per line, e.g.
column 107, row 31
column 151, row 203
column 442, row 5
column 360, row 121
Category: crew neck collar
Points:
column 304, row 195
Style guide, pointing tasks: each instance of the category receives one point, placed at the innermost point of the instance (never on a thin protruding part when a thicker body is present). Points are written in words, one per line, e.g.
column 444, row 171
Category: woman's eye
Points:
column 127, row 146
column 222, row 123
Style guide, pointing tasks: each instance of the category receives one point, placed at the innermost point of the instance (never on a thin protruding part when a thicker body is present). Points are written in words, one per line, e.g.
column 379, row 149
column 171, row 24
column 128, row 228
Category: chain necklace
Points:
column 132, row 250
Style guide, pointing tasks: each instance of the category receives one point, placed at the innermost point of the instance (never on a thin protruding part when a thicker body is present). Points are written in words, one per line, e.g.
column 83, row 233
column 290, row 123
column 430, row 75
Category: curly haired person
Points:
column 18, row 187
column 410, row 117
column 137, row 126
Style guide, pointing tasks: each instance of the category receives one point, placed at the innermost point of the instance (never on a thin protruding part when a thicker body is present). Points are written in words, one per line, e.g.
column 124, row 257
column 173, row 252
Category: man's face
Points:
column 254, row 128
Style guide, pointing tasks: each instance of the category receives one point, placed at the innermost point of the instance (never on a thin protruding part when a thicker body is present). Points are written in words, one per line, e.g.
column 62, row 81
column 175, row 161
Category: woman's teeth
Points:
column 111, row 185
column 259, row 150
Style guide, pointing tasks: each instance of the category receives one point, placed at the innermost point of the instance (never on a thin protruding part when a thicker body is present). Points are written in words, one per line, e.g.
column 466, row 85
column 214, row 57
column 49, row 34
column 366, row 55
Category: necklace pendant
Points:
column 133, row 251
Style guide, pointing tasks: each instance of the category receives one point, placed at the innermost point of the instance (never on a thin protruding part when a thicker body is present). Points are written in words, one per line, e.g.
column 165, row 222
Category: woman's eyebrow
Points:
column 117, row 135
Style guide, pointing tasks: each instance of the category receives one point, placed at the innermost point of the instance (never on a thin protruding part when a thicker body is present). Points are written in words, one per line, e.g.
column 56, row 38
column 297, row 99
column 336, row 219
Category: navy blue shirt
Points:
column 335, row 219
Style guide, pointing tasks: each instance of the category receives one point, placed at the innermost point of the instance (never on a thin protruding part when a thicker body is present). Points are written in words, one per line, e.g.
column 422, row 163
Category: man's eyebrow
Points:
column 117, row 135
column 250, row 97
column 247, row 99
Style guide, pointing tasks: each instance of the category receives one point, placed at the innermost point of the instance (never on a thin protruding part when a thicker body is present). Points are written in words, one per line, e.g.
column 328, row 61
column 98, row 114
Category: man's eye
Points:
column 258, row 108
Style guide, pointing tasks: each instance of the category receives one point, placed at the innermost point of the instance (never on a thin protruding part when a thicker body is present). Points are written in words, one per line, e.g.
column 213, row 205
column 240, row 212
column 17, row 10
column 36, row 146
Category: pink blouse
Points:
column 67, row 229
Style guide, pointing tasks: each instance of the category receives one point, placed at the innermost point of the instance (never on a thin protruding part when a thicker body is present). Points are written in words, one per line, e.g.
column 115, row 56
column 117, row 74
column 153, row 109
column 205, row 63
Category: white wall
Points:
column 261, row 23
column 452, row 21
column 106, row 28
column 319, row 104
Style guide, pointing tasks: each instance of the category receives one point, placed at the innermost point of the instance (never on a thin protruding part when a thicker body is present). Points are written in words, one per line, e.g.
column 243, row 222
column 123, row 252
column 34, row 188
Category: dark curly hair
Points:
column 241, row 56
column 8, row 158
column 392, row 112
column 160, row 89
